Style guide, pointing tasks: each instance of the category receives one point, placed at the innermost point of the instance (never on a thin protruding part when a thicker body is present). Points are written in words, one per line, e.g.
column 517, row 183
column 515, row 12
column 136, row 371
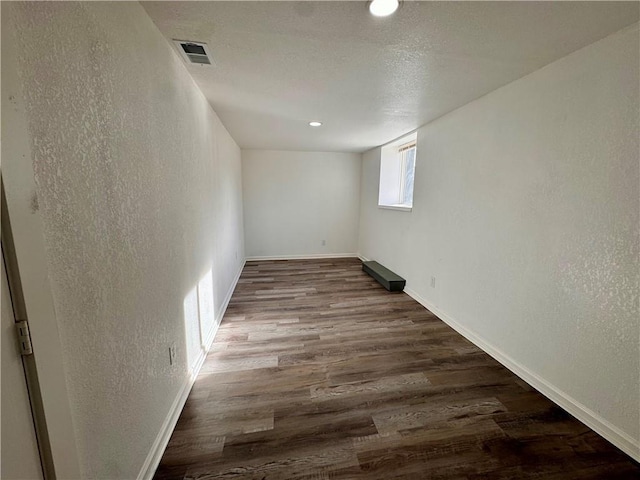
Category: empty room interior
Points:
column 320, row 240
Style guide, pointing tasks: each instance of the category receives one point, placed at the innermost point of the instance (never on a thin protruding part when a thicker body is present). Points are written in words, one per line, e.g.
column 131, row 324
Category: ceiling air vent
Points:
column 193, row 52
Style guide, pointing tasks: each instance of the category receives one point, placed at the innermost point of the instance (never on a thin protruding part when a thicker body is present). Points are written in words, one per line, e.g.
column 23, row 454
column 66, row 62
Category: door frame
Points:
column 44, row 371
column 20, row 206
column 27, row 364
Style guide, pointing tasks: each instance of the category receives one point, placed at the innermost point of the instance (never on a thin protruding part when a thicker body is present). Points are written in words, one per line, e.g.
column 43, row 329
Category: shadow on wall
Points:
column 199, row 321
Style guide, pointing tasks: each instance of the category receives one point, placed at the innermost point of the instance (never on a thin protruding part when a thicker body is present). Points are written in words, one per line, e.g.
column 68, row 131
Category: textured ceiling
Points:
column 279, row 65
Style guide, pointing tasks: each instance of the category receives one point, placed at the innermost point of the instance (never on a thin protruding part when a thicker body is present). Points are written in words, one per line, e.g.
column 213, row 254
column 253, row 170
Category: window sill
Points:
column 401, row 208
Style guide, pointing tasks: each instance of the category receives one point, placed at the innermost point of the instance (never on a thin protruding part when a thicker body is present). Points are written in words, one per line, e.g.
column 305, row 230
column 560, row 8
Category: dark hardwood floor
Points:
column 317, row 372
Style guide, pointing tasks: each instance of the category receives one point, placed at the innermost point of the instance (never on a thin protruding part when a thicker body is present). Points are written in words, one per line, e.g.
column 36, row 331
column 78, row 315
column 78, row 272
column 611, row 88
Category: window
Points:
column 397, row 171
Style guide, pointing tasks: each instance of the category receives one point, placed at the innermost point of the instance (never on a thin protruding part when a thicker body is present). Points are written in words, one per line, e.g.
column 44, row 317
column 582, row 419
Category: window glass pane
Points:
column 410, row 167
column 397, row 167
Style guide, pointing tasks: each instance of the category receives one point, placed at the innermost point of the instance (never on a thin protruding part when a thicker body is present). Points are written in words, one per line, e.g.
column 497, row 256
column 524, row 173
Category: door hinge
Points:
column 24, row 338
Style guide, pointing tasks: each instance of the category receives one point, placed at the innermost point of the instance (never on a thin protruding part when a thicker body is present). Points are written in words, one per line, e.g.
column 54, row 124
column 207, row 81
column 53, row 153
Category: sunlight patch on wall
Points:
column 206, row 308
column 193, row 341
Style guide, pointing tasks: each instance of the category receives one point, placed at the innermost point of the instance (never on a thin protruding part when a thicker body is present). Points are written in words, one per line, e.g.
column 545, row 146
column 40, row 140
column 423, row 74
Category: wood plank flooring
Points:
column 317, row 372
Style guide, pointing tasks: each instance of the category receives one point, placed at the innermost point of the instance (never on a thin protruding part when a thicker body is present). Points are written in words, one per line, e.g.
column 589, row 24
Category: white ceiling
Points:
column 279, row 65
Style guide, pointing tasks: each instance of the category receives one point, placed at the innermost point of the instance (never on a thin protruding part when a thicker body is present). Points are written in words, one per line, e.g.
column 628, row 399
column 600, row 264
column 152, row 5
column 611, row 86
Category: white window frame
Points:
column 393, row 171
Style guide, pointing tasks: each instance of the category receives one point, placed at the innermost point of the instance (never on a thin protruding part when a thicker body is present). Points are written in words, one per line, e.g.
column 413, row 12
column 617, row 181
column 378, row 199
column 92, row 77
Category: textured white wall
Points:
column 526, row 212
column 139, row 188
column 294, row 200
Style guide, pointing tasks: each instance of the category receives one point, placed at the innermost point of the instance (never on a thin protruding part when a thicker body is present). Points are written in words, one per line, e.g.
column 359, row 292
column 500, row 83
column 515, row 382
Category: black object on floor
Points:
column 388, row 279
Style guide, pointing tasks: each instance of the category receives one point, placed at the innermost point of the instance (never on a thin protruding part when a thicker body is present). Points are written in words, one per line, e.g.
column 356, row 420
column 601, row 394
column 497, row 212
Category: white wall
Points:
column 526, row 211
column 138, row 186
column 295, row 200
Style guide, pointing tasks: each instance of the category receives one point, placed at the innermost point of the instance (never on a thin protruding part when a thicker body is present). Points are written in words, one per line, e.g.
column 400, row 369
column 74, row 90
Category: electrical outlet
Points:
column 433, row 282
column 324, row 242
column 172, row 354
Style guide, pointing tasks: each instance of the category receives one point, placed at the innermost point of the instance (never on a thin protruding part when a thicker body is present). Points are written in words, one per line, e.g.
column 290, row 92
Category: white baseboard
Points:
column 157, row 449
column 225, row 303
column 304, row 257
column 162, row 440
column 362, row 258
column 208, row 341
column 587, row 416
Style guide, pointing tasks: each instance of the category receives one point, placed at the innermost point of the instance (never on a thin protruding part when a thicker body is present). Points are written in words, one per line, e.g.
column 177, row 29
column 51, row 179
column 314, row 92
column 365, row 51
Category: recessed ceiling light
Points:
column 383, row 8
column 315, row 124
